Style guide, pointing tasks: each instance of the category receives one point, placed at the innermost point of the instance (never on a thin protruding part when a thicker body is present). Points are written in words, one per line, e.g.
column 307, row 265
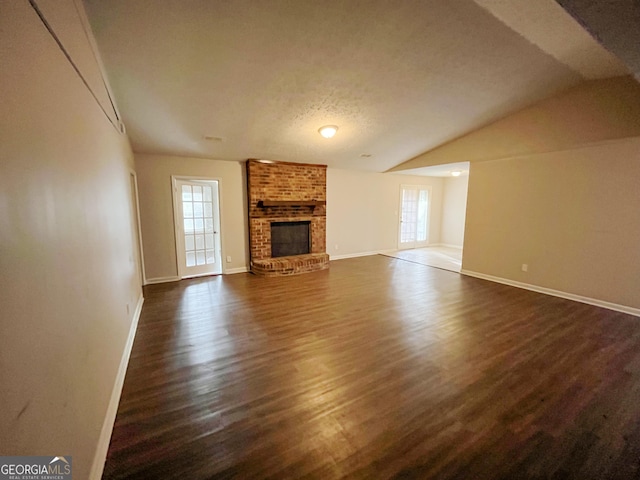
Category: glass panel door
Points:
column 414, row 217
column 197, row 228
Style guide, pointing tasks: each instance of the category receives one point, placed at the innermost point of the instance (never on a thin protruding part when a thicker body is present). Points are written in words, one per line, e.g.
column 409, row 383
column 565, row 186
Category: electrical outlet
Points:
column 228, row 258
column 335, row 247
column 525, row 267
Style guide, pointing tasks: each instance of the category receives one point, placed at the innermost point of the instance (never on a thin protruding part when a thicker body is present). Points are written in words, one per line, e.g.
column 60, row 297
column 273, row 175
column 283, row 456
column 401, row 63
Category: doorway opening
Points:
column 438, row 240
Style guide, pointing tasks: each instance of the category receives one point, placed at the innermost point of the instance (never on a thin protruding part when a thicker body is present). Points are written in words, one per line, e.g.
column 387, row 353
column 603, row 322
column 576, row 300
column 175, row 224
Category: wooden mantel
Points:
column 291, row 203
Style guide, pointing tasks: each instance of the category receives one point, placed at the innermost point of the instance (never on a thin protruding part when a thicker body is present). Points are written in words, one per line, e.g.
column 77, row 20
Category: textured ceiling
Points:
column 398, row 78
column 438, row 170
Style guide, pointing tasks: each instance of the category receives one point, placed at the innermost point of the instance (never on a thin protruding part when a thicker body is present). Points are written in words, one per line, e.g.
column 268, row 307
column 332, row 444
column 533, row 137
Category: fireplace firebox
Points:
column 290, row 238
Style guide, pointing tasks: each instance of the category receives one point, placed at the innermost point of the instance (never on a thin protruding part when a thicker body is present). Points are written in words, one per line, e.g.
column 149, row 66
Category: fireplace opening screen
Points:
column 290, row 238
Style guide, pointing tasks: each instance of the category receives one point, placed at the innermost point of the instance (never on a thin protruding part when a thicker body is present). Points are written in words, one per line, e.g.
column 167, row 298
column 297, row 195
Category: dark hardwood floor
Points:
column 377, row 368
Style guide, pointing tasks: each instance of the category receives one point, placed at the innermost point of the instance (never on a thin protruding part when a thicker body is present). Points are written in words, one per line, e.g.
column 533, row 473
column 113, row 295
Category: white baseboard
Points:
column 107, row 426
column 360, row 254
column 447, row 245
column 151, row 281
column 555, row 293
column 231, row 271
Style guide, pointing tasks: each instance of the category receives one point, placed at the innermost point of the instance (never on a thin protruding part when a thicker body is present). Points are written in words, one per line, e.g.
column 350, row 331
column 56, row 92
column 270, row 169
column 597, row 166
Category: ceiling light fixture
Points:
column 328, row 131
column 456, row 173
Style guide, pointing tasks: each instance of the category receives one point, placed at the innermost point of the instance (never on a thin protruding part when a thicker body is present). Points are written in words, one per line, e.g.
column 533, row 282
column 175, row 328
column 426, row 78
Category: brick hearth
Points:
column 286, row 192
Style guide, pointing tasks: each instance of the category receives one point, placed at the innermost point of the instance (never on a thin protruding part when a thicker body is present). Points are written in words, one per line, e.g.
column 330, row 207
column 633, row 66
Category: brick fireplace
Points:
column 283, row 194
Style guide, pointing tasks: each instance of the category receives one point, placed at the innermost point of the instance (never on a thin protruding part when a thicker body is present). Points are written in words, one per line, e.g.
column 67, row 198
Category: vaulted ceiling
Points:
column 241, row 79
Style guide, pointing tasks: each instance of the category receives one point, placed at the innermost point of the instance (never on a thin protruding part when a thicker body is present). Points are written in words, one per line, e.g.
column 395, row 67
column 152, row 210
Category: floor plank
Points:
column 376, row 368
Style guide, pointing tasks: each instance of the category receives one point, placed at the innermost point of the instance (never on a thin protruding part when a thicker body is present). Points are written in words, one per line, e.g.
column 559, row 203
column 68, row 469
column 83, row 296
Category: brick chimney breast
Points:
column 286, row 192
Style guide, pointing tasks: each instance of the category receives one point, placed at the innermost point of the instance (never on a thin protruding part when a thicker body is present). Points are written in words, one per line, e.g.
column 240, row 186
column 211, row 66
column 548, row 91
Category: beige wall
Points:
column 572, row 216
column 68, row 278
column 454, row 207
column 362, row 210
column 156, row 210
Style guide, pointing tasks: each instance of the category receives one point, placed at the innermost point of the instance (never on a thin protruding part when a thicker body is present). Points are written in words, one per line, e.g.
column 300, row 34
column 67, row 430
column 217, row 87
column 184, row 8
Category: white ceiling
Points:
column 398, row 78
column 438, row 170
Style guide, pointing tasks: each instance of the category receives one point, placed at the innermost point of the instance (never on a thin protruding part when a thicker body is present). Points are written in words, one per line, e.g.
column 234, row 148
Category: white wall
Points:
column 156, row 210
column 68, row 278
column 362, row 210
column 454, row 207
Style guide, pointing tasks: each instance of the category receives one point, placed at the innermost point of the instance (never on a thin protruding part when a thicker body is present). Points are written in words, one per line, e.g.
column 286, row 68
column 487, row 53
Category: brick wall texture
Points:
column 283, row 181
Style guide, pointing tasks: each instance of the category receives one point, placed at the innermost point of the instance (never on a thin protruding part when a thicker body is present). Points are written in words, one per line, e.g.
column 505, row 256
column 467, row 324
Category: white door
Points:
column 414, row 216
column 197, row 225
